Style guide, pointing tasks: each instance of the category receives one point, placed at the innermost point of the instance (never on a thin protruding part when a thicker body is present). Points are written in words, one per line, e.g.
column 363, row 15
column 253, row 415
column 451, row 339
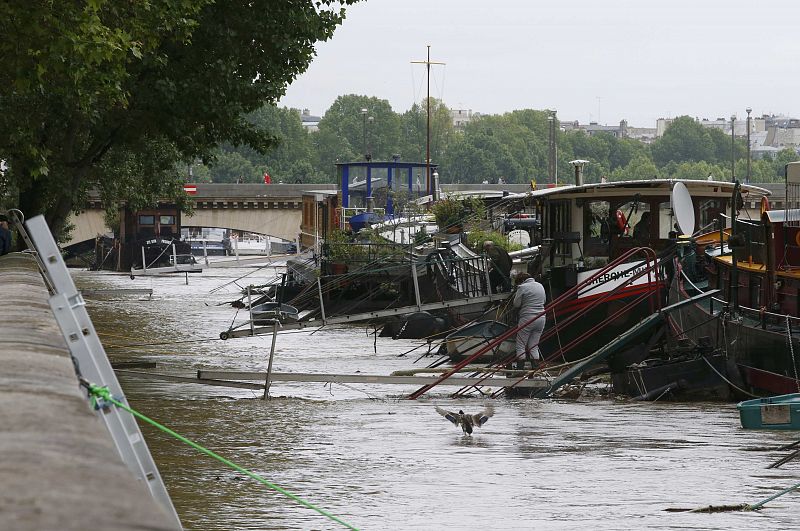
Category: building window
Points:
column 147, row 220
column 166, row 220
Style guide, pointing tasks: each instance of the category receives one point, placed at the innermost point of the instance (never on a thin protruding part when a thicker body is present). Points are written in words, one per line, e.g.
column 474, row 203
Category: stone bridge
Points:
column 272, row 209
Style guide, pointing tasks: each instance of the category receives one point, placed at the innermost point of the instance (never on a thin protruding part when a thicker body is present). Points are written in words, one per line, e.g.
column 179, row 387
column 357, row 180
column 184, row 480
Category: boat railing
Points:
column 467, row 276
column 365, row 253
column 761, row 315
column 651, row 294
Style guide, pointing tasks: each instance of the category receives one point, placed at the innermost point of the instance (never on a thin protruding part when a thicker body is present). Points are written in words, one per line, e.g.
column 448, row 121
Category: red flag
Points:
column 267, row 178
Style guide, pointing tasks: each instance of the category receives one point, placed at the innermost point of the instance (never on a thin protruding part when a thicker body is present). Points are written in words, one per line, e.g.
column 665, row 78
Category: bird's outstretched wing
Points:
column 449, row 415
column 479, row 419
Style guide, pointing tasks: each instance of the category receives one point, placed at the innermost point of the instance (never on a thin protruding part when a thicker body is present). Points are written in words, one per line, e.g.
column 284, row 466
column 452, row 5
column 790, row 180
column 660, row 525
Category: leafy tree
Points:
column 722, row 147
column 282, row 160
column 346, row 133
column 624, row 150
column 685, row 140
column 700, row 171
column 331, row 148
column 480, row 155
column 641, row 167
column 88, row 88
column 232, row 166
column 412, row 146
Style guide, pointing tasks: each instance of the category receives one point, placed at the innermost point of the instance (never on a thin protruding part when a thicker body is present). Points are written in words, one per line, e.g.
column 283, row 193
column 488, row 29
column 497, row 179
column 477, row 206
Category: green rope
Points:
column 96, row 391
column 760, row 504
column 740, row 507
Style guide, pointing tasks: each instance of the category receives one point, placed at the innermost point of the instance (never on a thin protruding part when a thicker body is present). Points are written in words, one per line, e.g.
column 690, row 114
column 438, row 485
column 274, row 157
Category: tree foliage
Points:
column 89, row 90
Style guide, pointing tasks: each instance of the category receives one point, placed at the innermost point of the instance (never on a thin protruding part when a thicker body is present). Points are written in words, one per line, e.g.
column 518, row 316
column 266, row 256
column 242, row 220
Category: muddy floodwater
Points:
column 383, row 463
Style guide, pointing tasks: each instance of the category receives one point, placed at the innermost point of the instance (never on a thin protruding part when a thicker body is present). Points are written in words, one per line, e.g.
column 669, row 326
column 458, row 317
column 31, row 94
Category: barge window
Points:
column 166, row 220
column 710, row 210
column 557, row 223
column 596, row 230
column 634, row 213
column 147, row 220
column 665, row 220
column 597, row 214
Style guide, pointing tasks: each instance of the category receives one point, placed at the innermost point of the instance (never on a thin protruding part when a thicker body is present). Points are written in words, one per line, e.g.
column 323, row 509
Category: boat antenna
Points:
column 428, row 179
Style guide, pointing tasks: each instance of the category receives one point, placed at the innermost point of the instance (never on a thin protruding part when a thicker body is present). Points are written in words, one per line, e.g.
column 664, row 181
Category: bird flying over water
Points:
column 465, row 420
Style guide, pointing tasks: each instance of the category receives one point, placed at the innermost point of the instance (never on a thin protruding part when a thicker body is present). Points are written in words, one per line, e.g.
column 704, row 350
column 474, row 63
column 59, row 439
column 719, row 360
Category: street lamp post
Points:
column 364, row 114
column 550, row 148
column 733, row 148
column 369, row 138
column 749, row 158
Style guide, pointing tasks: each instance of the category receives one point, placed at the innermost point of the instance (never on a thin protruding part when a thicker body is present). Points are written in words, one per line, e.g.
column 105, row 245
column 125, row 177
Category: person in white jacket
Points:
column 529, row 300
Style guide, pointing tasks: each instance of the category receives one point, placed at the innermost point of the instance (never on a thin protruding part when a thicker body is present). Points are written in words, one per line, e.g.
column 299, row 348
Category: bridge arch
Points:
column 283, row 223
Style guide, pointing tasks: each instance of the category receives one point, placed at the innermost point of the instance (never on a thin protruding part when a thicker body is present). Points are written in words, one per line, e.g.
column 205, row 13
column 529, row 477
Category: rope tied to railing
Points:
column 101, row 398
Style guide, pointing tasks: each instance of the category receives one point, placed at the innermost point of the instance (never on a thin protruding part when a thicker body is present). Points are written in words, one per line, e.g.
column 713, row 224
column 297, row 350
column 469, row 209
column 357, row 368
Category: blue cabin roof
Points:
column 394, row 175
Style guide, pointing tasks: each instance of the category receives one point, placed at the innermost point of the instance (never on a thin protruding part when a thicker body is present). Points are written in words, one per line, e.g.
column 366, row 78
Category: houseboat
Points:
column 756, row 267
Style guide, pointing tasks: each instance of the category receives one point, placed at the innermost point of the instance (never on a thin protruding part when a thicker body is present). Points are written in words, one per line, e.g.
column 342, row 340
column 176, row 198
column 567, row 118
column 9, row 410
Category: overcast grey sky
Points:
column 591, row 60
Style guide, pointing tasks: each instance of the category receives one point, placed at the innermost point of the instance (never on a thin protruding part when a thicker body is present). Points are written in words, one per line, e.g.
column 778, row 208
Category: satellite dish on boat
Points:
column 683, row 208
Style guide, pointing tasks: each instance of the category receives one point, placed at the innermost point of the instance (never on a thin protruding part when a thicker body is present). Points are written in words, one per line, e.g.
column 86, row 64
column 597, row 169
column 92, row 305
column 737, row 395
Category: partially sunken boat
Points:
column 469, row 338
column 348, row 274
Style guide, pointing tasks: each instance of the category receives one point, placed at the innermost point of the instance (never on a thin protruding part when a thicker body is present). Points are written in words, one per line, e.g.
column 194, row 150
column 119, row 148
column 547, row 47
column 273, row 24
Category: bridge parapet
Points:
column 256, row 191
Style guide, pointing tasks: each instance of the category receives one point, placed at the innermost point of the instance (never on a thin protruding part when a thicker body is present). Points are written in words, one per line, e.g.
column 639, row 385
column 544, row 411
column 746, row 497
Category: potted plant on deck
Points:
column 338, row 251
column 451, row 214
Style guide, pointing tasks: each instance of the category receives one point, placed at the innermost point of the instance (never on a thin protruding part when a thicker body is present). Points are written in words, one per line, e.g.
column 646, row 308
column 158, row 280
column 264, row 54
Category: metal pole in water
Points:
column 250, row 309
column 144, row 262
column 174, row 257
column 236, row 247
column 488, row 278
column 416, row 284
column 271, row 356
column 205, row 251
column 321, row 303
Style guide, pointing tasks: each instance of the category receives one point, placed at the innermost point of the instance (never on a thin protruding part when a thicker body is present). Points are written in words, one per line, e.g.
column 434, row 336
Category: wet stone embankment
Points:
column 59, row 468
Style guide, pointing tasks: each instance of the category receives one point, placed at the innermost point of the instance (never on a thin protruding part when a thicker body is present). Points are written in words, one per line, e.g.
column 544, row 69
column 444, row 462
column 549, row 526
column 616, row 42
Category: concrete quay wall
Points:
column 59, row 468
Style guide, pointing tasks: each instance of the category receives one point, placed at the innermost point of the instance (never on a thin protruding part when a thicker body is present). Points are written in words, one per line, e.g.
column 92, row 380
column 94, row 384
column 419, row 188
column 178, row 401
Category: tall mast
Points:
column 428, row 179
column 431, row 184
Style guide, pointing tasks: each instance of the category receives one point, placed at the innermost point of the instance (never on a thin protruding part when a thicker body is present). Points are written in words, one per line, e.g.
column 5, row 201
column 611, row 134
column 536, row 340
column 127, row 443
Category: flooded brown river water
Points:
column 382, row 463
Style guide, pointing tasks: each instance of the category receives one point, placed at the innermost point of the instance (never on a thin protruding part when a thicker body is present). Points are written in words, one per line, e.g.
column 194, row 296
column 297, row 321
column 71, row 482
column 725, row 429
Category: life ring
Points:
column 621, row 221
column 764, row 204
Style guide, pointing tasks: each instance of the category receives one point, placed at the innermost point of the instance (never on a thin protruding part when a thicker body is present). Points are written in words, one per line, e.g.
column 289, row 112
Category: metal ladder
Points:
column 91, row 361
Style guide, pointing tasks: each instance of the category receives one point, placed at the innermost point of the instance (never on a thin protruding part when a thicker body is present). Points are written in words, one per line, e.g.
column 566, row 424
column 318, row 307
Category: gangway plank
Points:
column 365, row 316
column 604, row 352
column 115, row 292
column 242, row 379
